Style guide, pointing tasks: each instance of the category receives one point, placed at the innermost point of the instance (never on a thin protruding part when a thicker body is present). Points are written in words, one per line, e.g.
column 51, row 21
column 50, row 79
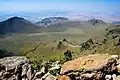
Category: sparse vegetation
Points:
column 68, row 55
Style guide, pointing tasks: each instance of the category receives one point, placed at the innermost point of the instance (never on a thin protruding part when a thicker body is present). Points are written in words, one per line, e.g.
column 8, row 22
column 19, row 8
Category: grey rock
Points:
column 30, row 73
column 2, row 67
column 42, row 70
column 38, row 75
column 12, row 62
column 16, row 68
column 118, row 61
column 114, row 76
column 25, row 67
column 87, row 76
column 48, row 76
column 108, row 77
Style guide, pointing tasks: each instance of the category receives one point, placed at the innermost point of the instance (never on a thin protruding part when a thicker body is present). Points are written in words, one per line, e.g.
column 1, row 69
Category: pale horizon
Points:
column 38, row 9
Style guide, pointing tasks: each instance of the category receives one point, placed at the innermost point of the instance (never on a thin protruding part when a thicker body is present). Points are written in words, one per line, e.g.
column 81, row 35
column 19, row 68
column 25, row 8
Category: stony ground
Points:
column 86, row 62
column 91, row 67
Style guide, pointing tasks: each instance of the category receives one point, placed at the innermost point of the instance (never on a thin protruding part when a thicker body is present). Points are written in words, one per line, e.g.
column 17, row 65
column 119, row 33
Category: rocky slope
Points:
column 108, row 43
column 15, row 68
column 91, row 67
column 19, row 68
column 86, row 62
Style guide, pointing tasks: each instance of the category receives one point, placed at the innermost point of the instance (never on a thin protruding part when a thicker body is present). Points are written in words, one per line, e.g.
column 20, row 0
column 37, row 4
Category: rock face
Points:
column 92, row 67
column 15, row 68
column 86, row 62
column 19, row 68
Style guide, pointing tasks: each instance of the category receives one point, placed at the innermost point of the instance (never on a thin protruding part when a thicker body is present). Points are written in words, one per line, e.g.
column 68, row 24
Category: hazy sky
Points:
column 34, row 10
column 13, row 6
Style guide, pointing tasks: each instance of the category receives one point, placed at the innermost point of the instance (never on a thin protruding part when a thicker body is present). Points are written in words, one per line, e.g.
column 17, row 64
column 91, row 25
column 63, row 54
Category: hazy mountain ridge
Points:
column 50, row 20
column 79, row 24
column 96, row 21
column 116, row 22
column 20, row 25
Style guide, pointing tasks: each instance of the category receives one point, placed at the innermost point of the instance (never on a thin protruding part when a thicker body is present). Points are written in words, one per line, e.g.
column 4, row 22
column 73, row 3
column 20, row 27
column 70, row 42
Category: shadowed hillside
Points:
column 4, row 53
column 16, row 25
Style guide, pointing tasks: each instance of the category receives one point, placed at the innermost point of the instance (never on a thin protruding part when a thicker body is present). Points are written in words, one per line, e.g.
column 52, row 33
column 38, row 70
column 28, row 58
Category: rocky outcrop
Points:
column 113, row 30
column 92, row 67
column 87, row 45
column 19, row 68
column 16, row 68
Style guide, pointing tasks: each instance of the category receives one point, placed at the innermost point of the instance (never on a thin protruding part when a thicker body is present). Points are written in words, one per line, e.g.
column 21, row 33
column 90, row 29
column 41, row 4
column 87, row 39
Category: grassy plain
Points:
column 48, row 40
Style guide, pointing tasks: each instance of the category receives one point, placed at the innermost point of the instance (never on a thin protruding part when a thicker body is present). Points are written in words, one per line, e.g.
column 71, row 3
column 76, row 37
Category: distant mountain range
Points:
column 64, row 22
column 79, row 24
column 20, row 25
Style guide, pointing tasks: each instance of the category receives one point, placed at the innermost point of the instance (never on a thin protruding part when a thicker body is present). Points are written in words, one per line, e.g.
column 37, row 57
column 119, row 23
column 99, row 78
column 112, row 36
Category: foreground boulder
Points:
column 64, row 77
column 16, row 68
column 19, row 68
column 86, row 62
column 92, row 67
